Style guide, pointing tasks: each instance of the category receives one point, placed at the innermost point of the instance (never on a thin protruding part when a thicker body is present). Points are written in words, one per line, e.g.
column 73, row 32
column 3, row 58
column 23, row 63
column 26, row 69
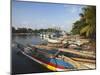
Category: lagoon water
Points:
column 22, row 64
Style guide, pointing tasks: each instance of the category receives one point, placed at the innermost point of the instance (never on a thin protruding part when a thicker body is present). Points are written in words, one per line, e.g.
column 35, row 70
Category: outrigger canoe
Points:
column 48, row 58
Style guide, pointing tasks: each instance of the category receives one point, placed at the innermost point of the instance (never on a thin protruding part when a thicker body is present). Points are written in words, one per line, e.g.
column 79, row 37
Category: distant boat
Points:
column 53, row 40
column 50, row 38
column 48, row 58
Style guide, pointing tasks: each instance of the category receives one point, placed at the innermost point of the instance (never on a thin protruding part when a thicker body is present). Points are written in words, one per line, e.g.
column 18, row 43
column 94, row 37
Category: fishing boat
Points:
column 51, row 37
column 53, row 40
column 51, row 59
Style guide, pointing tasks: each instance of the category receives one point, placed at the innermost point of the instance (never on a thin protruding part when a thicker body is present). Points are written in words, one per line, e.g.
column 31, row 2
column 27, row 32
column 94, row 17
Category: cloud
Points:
column 72, row 8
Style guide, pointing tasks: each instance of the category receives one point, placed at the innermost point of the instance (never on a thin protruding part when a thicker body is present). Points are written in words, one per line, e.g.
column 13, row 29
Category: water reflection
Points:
column 20, row 63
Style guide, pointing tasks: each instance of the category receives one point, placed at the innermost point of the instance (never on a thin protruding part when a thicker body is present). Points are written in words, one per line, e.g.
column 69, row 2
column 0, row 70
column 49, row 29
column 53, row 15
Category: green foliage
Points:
column 87, row 24
column 77, row 26
column 29, row 30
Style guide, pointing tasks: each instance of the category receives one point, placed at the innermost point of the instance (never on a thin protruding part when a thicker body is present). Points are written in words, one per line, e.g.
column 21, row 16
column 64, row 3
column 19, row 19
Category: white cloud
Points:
column 73, row 10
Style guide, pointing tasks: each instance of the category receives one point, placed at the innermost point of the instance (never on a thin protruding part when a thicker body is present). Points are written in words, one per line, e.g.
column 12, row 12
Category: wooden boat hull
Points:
column 53, row 41
column 49, row 66
column 47, row 59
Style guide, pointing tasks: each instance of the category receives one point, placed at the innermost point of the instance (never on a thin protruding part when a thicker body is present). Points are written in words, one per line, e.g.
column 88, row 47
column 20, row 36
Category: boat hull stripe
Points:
column 49, row 63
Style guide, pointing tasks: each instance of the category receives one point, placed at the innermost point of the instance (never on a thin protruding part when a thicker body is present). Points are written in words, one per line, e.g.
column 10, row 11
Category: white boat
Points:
column 50, row 38
column 53, row 40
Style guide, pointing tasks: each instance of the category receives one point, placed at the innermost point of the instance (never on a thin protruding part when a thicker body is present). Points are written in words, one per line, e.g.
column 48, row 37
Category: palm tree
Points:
column 78, row 25
column 89, row 28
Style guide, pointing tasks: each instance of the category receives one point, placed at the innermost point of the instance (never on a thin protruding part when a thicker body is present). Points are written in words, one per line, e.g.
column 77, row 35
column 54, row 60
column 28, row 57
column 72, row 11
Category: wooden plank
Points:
column 77, row 53
column 72, row 51
column 84, row 60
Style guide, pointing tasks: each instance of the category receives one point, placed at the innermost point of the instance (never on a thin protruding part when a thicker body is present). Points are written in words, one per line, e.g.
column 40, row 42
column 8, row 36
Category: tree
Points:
column 77, row 26
column 87, row 24
column 90, row 19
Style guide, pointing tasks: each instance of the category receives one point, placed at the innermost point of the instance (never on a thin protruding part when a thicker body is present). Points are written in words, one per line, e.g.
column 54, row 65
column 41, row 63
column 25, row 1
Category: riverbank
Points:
column 23, row 34
column 81, row 58
column 77, row 49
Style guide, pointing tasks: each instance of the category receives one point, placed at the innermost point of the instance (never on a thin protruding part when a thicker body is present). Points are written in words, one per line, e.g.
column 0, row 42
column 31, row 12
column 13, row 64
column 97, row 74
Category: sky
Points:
column 37, row 15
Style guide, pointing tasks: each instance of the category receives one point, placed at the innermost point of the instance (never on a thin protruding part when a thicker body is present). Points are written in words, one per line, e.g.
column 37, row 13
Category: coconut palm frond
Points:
column 84, row 30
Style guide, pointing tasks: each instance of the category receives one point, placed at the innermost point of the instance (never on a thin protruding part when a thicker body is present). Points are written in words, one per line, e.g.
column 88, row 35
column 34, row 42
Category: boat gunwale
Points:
column 50, row 55
column 44, row 64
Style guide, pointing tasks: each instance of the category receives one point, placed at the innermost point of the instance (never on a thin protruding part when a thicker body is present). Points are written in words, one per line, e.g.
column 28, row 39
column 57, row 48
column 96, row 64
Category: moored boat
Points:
column 49, row 58
column 53, row 40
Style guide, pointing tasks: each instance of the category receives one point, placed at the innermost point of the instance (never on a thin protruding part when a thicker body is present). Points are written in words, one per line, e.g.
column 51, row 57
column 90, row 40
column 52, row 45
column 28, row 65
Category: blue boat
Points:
column 48, row 58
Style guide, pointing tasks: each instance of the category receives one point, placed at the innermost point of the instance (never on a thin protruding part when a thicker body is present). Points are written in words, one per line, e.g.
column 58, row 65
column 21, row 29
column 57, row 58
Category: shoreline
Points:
column 23, row 33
